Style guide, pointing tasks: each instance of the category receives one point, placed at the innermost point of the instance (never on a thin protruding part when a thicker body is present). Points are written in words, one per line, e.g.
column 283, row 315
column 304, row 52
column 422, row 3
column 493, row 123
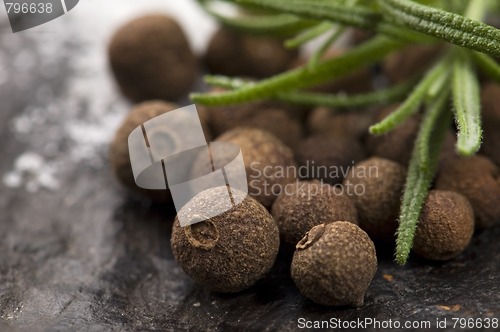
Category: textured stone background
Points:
column 79, row 253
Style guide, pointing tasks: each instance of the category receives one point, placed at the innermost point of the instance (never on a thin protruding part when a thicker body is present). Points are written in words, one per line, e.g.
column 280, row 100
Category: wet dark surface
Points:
column 89, row 256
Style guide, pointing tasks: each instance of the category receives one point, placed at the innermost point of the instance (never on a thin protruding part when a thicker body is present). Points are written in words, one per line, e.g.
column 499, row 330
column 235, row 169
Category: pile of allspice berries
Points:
column 330, row 219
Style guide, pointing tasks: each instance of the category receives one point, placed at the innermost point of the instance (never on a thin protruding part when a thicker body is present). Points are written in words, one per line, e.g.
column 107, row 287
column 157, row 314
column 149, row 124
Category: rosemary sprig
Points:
column 421, row 172
column 466, row 101
column 318, row 54
column 401, row 21
column 278, row 24
column 364, row 55
column 414, row 100
column 353, row 15
column 451, row 27
column 340, row 100
column 308, row 34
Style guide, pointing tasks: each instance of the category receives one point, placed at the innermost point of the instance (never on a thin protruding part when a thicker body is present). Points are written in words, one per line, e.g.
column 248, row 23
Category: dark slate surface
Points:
column 87, row 256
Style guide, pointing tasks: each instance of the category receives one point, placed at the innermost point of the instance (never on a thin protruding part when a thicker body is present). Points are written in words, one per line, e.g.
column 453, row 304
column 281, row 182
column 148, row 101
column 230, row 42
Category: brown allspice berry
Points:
column 269, row 163
column 231, row 251
column 410, row 62
column 339, row 124
column 328, row 158
column 334, row 264
column 397, row 144
column 119, row 155
column 478, row 179
column 445, row 227
column 490, row 100
column 151, row 59
column 236, row 54
column 272, row 117
column 306, row 204
column 375, row 185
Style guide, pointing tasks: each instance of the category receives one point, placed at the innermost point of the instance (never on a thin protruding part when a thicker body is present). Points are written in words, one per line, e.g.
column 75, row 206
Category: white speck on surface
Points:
column 196, row 304
column 32, row 172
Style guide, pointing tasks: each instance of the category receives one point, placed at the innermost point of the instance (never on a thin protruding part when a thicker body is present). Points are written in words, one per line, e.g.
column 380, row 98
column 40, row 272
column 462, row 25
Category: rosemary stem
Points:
column 364, row 55
column 467, row 105
column 421, row 173
column 308, row 35
column 414, row 100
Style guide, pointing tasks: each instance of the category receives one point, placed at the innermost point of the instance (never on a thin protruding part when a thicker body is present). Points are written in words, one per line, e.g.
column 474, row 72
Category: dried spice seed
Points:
column 269, row 163
column 410, row 62
column 151, row 59
column 478, row 179
column 397, row 144
column 119, row 150
column 233, row 54
column 445, row 227
column 326, row 121
column 490, row 100
column 382, row 181
column 328, row 158
column 229, row 252
column 306, row 204
column 334, row 264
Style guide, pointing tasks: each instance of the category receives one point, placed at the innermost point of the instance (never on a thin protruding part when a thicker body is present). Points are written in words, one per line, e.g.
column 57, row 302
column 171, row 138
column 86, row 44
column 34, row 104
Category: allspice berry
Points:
column 396, row 145
column 229, row 252
column 334, row 264
column 306, row 204
column 478, row 179
column 269, row 163
column 333, row 123
column 375, row 186
column 328, row 158
column 269, row 116
column 410, row 62
column 151, row 59
column 490, row 100
column 445, row 227
column 235, row 54
column 119, row 149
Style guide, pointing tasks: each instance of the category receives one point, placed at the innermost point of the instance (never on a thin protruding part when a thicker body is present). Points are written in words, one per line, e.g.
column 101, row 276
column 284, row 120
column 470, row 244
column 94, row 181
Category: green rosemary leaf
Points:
column 451, row 27
column 226, row 81
column 466, row 101
column 309, row 34
column 356, row 16
column 414, row 100
column 281, row 24
column 363, row 55
column 318, row 54
column 341, row 100
column 488, row 65
column 420, row 176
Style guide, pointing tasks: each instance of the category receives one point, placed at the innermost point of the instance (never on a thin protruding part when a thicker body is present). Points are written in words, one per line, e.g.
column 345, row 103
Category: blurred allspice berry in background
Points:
column 119, row 150
column 151, row 58
column 235, row 54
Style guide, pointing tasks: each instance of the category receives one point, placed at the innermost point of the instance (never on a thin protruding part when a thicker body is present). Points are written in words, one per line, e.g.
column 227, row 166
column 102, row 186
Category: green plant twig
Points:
column 421, row 173
column 467, row 105
column 364, row 55
column 414, row 100
column 308, row 35
column 451, row 27
column 353, row 15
